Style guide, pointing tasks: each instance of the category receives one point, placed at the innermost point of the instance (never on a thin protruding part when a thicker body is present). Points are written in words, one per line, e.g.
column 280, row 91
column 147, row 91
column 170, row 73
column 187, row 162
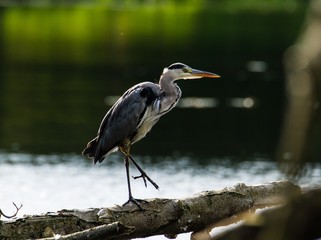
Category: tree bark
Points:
column 299, row 218
column 160, row 216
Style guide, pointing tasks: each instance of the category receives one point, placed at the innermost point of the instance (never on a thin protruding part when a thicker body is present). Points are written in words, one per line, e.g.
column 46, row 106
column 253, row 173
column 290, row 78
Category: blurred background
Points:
column 60, row 63
column 64, row 63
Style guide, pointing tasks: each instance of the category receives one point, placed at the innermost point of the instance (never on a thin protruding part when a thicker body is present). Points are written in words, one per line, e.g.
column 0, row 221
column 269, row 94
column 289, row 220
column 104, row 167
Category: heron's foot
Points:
column 135, row 201
column 144, row 176
column 141, row 176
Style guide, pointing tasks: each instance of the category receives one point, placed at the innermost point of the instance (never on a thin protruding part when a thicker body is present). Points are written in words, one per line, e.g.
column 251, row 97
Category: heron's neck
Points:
column 167, row 85
column 171, row 91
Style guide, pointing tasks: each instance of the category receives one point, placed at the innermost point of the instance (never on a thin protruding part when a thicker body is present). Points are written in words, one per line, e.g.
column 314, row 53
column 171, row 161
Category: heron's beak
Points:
column 199, row 73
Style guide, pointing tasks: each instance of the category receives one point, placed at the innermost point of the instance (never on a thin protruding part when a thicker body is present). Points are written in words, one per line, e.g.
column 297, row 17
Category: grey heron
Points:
column 135, row 113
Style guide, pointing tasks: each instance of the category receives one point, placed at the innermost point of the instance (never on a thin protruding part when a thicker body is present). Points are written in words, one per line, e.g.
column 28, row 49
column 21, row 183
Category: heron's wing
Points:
column 122, row 119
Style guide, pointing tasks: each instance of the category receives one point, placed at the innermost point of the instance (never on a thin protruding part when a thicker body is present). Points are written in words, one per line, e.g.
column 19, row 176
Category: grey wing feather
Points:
column 120, row 122
column 123, row 120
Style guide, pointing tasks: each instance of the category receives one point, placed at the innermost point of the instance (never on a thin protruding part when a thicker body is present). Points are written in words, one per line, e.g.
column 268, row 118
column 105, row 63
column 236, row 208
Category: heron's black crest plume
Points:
column 176, row 66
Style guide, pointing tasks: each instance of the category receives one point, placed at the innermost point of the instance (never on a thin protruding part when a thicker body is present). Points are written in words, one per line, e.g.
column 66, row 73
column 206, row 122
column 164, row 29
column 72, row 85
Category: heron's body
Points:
column 136, row 112
column 123, row 126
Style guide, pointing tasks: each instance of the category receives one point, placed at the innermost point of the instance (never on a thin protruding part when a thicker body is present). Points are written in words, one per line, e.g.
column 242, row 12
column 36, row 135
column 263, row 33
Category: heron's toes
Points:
column 143, row 177
column 136, row 202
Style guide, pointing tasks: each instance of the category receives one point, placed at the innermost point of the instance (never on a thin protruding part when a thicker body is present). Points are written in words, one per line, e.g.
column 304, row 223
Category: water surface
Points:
column 51, row 182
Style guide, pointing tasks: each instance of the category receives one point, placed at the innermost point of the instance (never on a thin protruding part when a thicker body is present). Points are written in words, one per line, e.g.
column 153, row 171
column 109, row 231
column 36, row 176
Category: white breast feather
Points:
column 149, row 119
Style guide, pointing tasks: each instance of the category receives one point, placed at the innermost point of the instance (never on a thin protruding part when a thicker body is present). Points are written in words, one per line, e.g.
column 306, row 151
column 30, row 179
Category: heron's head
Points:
column 182, row 71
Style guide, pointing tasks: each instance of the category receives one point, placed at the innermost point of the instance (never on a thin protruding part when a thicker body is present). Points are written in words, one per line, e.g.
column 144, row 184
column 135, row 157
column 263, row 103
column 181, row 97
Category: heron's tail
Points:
column 90, row 149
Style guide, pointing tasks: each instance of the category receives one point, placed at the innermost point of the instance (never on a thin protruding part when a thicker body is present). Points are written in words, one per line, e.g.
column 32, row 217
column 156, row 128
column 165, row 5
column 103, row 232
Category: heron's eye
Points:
column 185, row 70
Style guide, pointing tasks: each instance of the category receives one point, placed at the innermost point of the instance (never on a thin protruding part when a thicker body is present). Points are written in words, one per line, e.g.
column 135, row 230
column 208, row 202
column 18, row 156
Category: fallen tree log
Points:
column 299, row 218
column 160, row 216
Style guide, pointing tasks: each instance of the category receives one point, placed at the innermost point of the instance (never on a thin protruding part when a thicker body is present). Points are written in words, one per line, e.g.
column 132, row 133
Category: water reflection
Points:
column 53, row 83
column 203, row 102
column 196, row 102
column 187, row 102
column 257, row 66
column 247, row 102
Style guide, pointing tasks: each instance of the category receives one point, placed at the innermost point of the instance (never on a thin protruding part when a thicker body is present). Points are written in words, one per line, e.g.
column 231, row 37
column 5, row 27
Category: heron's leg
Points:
column 128, row 178
column 130, row 197
column 126, row 151
column 143, row 174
